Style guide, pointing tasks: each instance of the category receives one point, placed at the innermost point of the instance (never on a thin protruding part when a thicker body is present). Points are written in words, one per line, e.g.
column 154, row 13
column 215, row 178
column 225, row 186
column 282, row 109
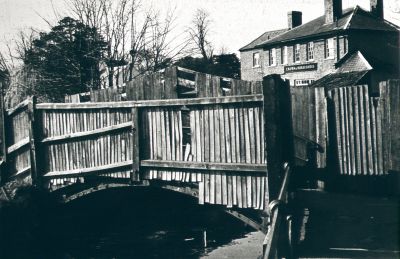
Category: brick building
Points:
column 352, row 41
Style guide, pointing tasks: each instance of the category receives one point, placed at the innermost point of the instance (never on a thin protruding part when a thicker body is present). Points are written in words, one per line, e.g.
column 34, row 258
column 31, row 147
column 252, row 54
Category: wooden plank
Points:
column 91, row 132
column 356, row 138
column 343, row 130
column 350, row 108
column 167, row 142
column 368, row 130
column 207, row 148
column 224, row 187
column 193, row 135
column 217, row 146
column 363, row 142
column 135, row 145
column 88, row 171
column 228, row 146
column 232, row 127
column 347, row 131
column 152, row 103
column 380, row 136
column 17, row 146
column 373, row 137
column 199, row 140
column 21, row 106
column 212, row 153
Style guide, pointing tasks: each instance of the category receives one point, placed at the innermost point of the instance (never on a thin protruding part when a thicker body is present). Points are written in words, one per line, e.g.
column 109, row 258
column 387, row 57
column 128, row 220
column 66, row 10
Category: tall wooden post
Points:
column 136, row 148
column 277, row 128
column 33, row 132
column 3, row 152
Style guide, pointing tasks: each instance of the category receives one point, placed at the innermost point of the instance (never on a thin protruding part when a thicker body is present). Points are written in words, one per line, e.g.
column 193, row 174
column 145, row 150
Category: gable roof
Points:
column 351, row 19
column 352, row 69
column 353, row 62
column 262, row 38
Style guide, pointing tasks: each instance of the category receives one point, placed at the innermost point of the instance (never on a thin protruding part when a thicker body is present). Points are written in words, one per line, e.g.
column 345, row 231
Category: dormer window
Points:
column 329, row 48
column 296, row 53
column 310, row 51
column 272, row 57
column 256, row 59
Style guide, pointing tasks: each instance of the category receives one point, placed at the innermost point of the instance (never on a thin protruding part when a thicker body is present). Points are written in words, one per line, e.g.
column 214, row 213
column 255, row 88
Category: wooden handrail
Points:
column 152, row 103
column 270, row 244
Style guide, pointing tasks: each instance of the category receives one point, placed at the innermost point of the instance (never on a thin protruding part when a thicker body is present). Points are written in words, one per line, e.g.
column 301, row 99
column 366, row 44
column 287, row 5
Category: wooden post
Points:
column 3, row 152
column 136, row 149
column 277, row 128
column 34, row 135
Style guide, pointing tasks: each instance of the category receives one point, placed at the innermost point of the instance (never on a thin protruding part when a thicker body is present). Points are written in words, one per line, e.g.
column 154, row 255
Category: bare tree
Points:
column 161, row 45
column 113, row 20
column 137, row 38
column 199, row 33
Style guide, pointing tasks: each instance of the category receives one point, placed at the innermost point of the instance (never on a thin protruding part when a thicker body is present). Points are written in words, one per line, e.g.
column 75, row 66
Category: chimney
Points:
column 333, row 10
column 294, row 19
column 377, row 8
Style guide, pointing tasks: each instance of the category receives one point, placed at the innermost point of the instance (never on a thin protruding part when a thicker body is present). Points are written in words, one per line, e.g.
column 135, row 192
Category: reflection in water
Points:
column 134, row 223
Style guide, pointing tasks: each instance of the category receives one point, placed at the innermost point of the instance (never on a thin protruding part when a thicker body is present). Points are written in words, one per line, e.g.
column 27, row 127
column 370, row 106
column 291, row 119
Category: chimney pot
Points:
column 333, row 10
column 377, row 8
column 295, row 18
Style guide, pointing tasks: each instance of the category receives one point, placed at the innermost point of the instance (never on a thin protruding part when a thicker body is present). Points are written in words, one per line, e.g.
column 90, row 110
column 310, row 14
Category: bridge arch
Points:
column 71, row 193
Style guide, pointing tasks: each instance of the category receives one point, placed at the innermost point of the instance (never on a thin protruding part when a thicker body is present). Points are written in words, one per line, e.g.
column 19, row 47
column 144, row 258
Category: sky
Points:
column 234, row 22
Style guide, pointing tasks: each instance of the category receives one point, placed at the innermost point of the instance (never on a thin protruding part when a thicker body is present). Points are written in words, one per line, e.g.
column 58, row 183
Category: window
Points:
column 310, row 51
column 284, row 55
column 296, row 53
column 345, row 44
column 272, row 57
column 329, row 48
column 303, row 82
column 256, row 59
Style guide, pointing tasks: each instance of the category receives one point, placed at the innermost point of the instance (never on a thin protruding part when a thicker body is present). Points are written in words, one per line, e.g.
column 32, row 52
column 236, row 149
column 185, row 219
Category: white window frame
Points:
column 284, row 55
column 329, row 48
column 303, row 82
column 256, row 59
column 272, row 57
column 310, row 51
column 296, row 53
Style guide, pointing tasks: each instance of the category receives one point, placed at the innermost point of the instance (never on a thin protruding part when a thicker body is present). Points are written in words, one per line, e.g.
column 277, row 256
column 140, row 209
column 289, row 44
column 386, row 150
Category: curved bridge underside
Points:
column 72, row 192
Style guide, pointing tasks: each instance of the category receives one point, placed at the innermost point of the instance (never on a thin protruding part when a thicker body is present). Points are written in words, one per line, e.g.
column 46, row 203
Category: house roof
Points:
column 351, row 19
column 352, row 68
column 262, row 38
column 335, row 80
column 352, row 63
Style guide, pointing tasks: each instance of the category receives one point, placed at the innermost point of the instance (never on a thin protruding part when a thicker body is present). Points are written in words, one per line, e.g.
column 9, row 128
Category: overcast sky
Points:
column 235, row 22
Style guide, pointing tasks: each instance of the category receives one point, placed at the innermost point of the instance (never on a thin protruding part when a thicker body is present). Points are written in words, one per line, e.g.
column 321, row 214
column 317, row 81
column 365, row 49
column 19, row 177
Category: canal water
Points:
column 140, row 223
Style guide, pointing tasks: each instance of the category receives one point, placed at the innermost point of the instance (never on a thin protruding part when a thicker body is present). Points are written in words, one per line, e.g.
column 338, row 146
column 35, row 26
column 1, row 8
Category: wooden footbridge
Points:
column 190, row 132
column 221, row 140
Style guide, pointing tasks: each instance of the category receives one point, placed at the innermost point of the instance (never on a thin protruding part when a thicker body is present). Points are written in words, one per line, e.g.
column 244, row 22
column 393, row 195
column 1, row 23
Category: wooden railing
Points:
column 279, row 223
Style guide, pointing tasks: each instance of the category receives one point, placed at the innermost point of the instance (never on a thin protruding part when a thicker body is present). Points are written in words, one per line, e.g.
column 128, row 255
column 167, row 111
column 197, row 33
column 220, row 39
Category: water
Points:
column 134, row 223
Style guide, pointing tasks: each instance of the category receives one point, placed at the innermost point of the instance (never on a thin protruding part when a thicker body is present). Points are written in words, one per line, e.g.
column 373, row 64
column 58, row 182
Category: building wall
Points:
column 324, row 66
column 248, row 72
column 380, row 47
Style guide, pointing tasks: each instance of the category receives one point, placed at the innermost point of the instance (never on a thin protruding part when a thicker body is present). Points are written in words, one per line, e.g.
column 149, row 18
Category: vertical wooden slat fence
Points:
column 389, row 111
column 364, row 129
column 80, row 141
column 225, row 154
column 18, row 142
column 309, row 122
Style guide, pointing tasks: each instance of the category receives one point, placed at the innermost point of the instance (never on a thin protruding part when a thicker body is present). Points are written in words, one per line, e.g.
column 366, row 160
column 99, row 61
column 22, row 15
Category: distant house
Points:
column 341, row 41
